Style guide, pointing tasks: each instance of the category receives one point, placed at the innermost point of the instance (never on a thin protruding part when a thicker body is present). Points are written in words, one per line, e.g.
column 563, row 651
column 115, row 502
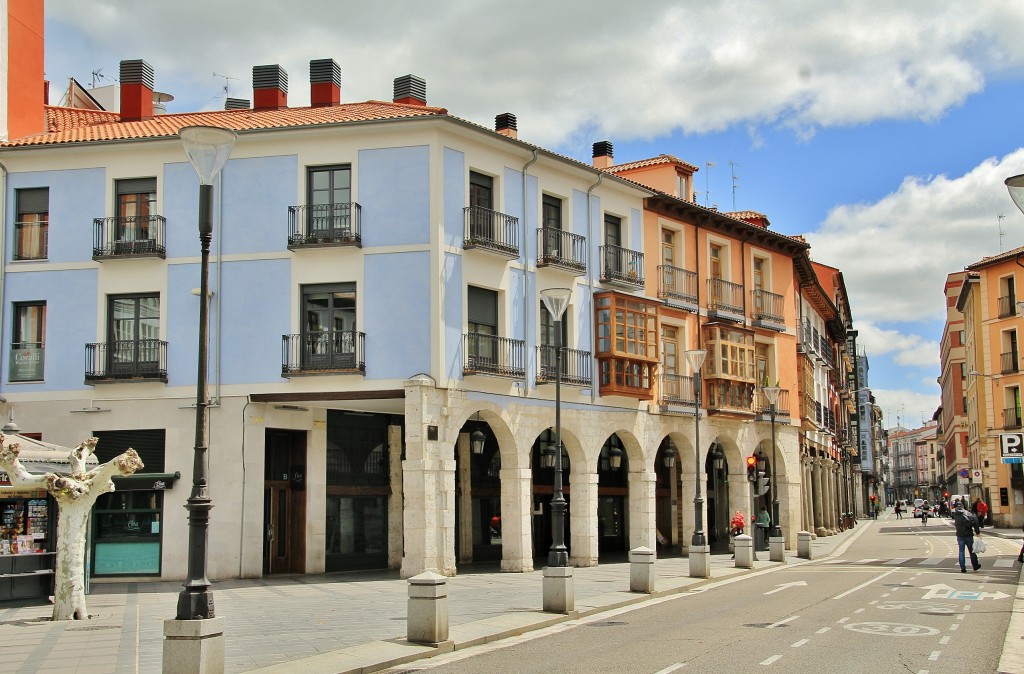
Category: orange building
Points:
column 22, row 89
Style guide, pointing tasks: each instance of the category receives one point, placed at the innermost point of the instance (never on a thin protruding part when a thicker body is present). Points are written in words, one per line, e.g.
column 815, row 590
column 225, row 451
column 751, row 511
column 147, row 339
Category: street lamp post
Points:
column 556, row 300
column 772, row 393
column 208, row 149
column 695, row 357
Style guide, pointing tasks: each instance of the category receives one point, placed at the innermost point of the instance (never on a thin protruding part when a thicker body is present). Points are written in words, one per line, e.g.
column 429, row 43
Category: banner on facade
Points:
column 1011, row 447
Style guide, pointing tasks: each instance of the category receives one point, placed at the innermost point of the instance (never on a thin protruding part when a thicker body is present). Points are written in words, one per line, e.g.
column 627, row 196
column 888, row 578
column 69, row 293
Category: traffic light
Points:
column 945, row 494
column 751, row 468
column 761, row 486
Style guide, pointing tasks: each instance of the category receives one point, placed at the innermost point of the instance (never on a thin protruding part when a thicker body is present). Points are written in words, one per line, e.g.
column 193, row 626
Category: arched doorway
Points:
column 543, row 490
column 612, row 498
column 477, row 494
column 717, row 470
column 668, row 530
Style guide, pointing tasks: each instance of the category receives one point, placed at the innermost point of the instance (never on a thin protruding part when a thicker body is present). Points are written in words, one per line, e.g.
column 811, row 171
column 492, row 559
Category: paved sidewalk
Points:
column 340, row 622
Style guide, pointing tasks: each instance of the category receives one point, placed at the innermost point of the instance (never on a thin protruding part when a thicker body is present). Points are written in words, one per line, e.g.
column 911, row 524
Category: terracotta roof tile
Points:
column 653, row 161
column 993, row 259
column 70, row 125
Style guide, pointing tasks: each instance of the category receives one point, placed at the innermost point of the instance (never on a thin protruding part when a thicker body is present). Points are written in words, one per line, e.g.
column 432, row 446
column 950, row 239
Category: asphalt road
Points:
column 893, row 601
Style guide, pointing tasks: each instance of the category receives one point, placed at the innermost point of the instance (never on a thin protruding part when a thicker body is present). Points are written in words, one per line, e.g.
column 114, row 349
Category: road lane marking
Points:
column 872, row 603
column 783, row 621
column 897, row 561
column 785, row 586
column 932, row 561
column 886, row 595
column 771, row 660
column 1003, row 563
column 843, row 621
column 961, row 616
column 935, row 655
column 860, row 610
column 799, row 643
column 672, row 668
column 944, row 640
column 823, row 630
column 865, row 584
column 954, row 627
column 866, row 561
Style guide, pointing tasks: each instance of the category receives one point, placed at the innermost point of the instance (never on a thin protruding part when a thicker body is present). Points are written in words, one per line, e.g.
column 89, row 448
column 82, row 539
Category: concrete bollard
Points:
column 803, row 544
column 428, row 609
column 559, row 590
column 641, row 570
column 700, row 561
column 777, row 549
column 744, row 552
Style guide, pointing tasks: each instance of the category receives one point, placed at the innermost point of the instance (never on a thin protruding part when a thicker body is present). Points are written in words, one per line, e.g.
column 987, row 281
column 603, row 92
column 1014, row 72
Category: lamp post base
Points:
column 700, row 561
column 193, row 646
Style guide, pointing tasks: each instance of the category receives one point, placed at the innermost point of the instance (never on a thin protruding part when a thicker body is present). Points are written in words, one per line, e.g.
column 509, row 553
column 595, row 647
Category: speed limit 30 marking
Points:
column 892, row 629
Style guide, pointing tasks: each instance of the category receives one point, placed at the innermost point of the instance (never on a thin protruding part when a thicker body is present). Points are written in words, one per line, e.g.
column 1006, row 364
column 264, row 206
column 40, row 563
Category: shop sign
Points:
column 1011, row 447
column 27, row 364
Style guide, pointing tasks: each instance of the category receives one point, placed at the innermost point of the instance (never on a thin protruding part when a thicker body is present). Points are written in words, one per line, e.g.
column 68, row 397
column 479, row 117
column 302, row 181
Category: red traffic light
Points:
column 751, row 461
column 873, row 497
column 945, row 494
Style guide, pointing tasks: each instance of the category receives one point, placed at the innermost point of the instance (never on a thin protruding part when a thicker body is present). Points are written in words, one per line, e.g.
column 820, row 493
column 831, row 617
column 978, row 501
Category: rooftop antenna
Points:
column 735, row 182
column 707, row 188
column 226, row 79
column 97, row 75
column 999, row 219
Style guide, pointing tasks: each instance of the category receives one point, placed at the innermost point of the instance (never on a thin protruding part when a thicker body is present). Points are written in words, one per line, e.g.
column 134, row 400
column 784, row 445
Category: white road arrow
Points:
column 783, row 586
column 940, row 591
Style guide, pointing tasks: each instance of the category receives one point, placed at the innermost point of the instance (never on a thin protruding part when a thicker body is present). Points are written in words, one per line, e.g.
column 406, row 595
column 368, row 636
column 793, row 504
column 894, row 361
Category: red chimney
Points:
column 324, row 83
column 411, row 90
column 136, row 91
column 22, row 64
column 269, row 87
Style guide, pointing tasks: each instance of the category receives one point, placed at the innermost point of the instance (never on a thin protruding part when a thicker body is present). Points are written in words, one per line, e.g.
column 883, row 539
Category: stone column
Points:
column 830, row 480
column 807, row 491
column 641, row 522
column 465, row 500
column 516, row 519
column 583, row 524
column 819, row 523
column 396, row 520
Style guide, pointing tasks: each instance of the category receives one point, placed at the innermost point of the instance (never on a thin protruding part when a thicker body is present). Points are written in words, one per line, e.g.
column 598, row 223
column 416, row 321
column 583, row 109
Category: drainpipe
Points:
column 526, row 280
column 743, row 276
column 696, row 250
column 218, row 274
column 3, row 243
column 591, row 281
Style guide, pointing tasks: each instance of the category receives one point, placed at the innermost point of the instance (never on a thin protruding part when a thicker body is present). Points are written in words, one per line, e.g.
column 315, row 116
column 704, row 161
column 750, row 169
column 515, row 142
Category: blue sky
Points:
column 881, row 131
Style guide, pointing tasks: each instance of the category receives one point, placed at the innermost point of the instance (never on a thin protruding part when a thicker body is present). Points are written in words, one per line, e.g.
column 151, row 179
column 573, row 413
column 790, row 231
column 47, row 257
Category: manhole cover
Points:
column 607, row 623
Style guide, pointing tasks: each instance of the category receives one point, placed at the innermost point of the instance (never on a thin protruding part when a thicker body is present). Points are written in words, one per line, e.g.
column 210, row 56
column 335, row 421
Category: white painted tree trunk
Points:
column 75, row 495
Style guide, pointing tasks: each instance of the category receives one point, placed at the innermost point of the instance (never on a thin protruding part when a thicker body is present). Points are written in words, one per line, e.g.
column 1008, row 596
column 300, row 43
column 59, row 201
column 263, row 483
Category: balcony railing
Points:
column 319, row 225
column 1011, row 418
column 766, row 306
column 493, row 355
column 128, row 236
column 1008, row 362
column 323, row 352
column 725, row 295
column 575, row 366
column 130, row 359
column 805, row 343
column 31, row 240
column 675, row 284
column 490, row 230
column 1007, row 306
column 621, row 266
column 677, row 389
column 762, row 408
column 726, row 395
column 564, row 250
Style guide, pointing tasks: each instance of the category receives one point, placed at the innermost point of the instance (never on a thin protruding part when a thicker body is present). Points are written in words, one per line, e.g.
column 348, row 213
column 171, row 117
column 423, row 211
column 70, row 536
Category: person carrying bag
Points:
column 967, row 528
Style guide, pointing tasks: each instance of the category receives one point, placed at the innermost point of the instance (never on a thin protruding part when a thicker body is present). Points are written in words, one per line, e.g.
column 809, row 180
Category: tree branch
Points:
column 12, row 466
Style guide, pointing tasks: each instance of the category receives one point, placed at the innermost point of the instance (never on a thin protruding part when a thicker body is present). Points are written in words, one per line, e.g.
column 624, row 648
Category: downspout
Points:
column 696, row 250
column 591, row 281
column 3, row 246
column 218, row 273
column 526, row 280
column 743, row 275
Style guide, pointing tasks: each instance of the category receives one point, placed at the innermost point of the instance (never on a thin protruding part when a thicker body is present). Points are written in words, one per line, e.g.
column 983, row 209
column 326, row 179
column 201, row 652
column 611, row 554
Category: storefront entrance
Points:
column 284, row 502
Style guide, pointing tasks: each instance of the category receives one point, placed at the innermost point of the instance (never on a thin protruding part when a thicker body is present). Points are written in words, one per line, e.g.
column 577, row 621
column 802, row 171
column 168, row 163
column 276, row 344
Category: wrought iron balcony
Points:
column 1008, row 362
column 490, row 230
column 677, row 286
column 31, row 240
column 128, row 236
column 493, row 355
column 677, row 389
column 126, row 360
column 1007, row 306
column 762, row 408
column 341, row 351
column 766, row 310
column 575, row 366
column 806, row 342
column 320, row 225
column 1011, row 418
column 622, row 267
column 563, row 250
column 725, row 299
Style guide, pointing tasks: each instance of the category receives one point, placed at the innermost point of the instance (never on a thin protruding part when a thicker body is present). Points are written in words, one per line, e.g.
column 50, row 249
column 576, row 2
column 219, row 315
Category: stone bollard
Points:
column 777, row 549
column 744, row 552
column 428, row 609
column 559, row 591
column 641, row 570
column 803, row 544
column 700, row 561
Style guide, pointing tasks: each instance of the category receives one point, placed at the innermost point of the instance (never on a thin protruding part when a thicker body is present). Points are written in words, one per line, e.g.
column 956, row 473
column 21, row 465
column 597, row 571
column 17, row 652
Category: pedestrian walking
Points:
column 982, row 513
column 898, row 510
column 762, row 522
column 966, row 525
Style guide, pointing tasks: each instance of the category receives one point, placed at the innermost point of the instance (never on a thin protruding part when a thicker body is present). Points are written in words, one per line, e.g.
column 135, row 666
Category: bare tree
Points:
column 75, row 495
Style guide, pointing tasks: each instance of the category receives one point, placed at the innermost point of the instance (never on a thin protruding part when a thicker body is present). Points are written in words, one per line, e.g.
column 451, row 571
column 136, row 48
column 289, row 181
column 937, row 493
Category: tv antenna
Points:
column 97, row 75
column 999, row 220
column 707, row 188
column 226, row 80
column 735, row 182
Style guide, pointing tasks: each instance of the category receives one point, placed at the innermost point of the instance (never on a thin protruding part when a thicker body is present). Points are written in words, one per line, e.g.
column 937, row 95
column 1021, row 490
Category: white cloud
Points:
column 908, row 349
column 897, row 252
column 625, row 71
column 910, row 409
